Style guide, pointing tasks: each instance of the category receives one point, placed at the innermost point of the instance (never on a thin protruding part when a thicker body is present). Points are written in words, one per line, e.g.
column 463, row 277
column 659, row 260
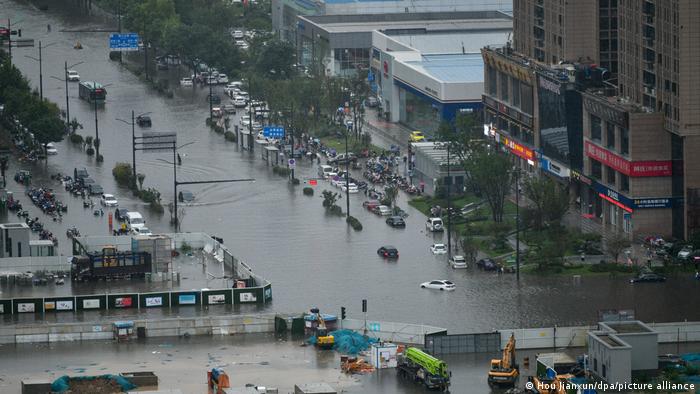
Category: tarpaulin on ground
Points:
column 348, row 341
column 62, row 384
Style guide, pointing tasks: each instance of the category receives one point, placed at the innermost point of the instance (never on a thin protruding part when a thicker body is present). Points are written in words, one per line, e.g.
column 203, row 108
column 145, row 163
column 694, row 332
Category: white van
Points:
column 134, row 221
column 324, row 170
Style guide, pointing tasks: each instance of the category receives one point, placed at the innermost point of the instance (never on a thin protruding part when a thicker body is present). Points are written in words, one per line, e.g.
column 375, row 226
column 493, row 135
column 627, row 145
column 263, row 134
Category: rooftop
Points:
column 467, row 67
column 612, row 342
column 631, row 327
column 417, row 22
column 463, row 41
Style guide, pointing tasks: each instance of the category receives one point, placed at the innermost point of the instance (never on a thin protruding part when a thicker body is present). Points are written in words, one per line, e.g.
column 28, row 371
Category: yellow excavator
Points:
column 324, row 340
column 504, row 371
column 549, row 386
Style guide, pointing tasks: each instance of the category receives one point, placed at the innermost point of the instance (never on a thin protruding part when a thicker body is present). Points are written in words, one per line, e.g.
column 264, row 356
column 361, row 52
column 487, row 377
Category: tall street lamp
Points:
column 41, row 75
column 517, row 223
column 97, row 130
column 347, row 173
column 65, row 79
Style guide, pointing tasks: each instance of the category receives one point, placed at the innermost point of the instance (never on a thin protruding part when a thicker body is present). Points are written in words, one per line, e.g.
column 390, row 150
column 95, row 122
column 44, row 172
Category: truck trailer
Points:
column 421, row 367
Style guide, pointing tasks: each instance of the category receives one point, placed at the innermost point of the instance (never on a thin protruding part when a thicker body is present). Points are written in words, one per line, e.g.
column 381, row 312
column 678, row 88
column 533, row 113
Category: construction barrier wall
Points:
column 112, row 301
column 34, row 264
column 392, row 331
column 463, row 343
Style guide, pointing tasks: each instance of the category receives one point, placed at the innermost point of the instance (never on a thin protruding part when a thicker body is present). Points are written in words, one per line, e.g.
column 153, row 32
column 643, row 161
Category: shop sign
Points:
column 554, row 167
column 613, row 197
column 654, row 202
column 604, row 111
column 631, row 168
column 580, row 177
column 518, row 149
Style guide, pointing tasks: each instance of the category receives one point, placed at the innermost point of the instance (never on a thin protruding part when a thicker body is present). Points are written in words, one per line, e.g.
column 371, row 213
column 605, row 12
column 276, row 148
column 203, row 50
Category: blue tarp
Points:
column 62, row 384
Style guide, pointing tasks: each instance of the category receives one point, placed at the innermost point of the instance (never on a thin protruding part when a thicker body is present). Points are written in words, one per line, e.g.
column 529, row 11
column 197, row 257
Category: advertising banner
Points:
column 64, row 305
column 154, row 301
column 25, row 307
column 187, row 299
column 248, row 297
column 634, row 169
column 216, row 299
column 122, row 302
column 49, row 305
column 91, row 304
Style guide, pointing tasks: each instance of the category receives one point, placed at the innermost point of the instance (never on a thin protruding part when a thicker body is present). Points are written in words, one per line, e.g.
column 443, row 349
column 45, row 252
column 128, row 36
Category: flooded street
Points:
column 312, row 259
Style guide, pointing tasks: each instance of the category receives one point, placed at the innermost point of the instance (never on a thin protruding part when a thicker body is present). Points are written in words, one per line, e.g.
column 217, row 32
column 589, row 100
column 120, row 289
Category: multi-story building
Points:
column 551, row 31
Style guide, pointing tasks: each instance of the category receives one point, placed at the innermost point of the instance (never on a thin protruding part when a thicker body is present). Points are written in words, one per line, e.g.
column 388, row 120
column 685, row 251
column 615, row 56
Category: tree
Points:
column 550, row 201
column 74, row 125
column 391, row 194
column 276, row 60
column 329, row 198
column 462, row 135
column 615, row 244
column 140, row 177
column 470, row 248
column 491, row 174
column 548, row 252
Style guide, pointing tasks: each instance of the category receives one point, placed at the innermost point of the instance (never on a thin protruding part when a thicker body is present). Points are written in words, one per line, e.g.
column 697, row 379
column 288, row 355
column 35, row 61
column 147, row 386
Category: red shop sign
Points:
column 634, row 169
column 518, row 149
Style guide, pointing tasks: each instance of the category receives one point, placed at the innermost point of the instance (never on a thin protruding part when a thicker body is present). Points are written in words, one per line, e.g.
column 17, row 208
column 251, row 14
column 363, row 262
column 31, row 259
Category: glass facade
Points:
column 560, row 110
column 418, row 113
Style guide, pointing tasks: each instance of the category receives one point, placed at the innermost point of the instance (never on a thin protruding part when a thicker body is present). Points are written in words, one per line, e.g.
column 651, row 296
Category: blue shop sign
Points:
column 653, row 202
column 614, row 195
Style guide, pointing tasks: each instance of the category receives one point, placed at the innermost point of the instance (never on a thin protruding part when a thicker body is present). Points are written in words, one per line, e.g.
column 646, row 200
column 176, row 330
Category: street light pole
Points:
column 211, row 97
column 41, row 76
column 347, row 174
column 97, row 132
column 449, row 204
column 133, row 147
column 65, row 78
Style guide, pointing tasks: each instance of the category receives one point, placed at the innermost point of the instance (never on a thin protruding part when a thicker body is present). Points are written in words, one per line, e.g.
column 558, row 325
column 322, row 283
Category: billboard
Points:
column 25, row 307
column 124, row 42
column 123, row 302
column 64, row 305
column 91, row 304
column 247, row 297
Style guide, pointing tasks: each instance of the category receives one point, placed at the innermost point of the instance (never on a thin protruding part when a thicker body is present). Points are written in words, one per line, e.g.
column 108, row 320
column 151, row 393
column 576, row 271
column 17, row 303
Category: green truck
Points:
column 420, row 366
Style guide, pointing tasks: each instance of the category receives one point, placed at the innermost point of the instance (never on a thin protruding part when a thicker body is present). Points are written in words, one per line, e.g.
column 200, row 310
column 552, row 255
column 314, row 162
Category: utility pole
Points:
column 291, row 131
column 347, row 173
column 9, row 39
column 211, row 97
column 517, row 224
column 65, row 77
column 133, row 147
column 41, row 76
column 251, row 143
column 449, row 205
column 97, row 133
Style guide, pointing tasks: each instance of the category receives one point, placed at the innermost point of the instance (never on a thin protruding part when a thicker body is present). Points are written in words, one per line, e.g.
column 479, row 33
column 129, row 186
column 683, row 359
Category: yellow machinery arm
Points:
column 508, row 359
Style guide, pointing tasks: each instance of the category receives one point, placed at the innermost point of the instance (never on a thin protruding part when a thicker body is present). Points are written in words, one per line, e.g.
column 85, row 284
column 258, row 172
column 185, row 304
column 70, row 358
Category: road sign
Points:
column 292, row 163
column 276, row 132
column 153, row 141
column 124, row 42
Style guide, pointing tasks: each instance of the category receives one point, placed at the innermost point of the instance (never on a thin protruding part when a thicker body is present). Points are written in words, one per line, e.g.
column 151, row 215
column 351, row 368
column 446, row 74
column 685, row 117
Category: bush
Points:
column 76, row 138
column 611, row 267
column 218, row 129
column 156, row 207
column 336, row 210
column 308, row 191
column 123, row 174
column 100, row 158
column 356, row 225
column 279, row 170
column 90, row 151
column 295, row 181
column 230, row 136
column 185, row 248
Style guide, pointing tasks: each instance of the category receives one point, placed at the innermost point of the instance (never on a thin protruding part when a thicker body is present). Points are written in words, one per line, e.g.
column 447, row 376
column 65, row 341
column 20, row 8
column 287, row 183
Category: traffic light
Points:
column 364, row 306
column 342, row 313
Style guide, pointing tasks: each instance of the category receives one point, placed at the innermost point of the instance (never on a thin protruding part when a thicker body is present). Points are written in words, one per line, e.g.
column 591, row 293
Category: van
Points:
column 324, row 170
column 434, row 224
column 134, row 220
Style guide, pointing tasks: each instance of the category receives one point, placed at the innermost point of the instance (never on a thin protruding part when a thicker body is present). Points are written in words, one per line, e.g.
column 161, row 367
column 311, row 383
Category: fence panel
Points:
column 463, row 343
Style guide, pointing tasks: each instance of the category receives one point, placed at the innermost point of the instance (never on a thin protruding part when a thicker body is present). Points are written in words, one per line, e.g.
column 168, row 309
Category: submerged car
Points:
column 438, row 285
column 185, row 196
column 648, row 277
column 458, row 262
column 438, row 249
column 487, row 264
column 395, row 221
column 388, row 252
column 108, row 200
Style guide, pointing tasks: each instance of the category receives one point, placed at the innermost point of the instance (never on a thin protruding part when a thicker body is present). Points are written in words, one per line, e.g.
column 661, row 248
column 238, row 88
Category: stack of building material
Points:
column 354, row 365
column 160, row 249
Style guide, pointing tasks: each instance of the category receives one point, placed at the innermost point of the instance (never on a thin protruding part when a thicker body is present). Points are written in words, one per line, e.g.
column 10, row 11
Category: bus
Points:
column 92, row 91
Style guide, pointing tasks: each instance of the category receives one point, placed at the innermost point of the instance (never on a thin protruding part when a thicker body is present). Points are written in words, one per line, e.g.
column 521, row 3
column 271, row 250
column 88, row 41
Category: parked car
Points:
column 458, row 262
column 142, row 231
column 438, row 249
column 350, row 188
column 73, row 76
column 185, row 196
column 143, row 121
column 239, row 101
column 371, row 102
column 388, row 252
column 395, row 221
column 382, row 210
column 108, row 200
column 237, row 34
column 438, row 285
column 323, row 170
column 371, row 204
column 343, row 159
column 685, row 253
column 120, row 214
column 648, row 277
column 186, row 82
column 222, row 78
column 94, row 188
column 416, row 136
column 231, row 88
column 487, row 264
column 80, row 173
column 51, row 149
column 434, row 225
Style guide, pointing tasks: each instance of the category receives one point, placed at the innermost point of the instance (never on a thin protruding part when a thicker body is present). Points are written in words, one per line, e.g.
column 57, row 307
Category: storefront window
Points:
column 596, row 169
column 419, row 113
column 596, row 128
column 610, row 128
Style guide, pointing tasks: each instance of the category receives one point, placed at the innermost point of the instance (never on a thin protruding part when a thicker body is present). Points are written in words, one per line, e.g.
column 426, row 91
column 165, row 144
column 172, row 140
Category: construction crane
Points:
column 324, row 340
column 504, row 371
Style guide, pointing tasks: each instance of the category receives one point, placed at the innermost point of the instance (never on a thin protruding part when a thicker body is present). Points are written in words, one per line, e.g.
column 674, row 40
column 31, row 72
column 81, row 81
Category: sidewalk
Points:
column 384, row 133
